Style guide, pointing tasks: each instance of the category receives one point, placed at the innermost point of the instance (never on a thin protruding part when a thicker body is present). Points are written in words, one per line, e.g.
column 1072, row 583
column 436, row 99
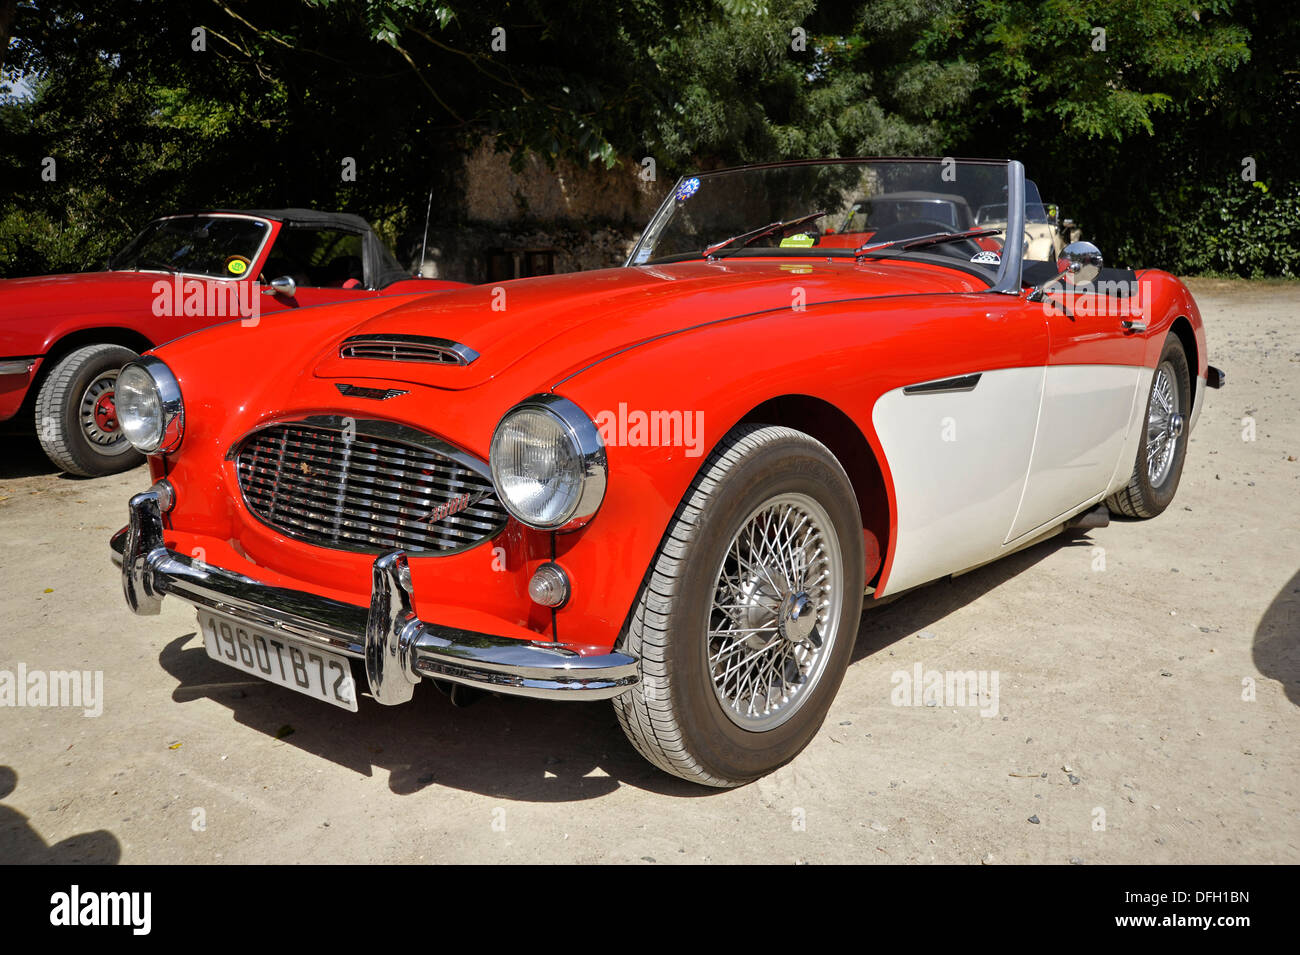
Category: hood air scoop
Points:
column 413, row 348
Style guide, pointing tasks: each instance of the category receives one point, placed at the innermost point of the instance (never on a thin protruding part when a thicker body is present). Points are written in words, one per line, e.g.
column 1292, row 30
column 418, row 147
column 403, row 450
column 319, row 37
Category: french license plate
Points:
column 299, row 666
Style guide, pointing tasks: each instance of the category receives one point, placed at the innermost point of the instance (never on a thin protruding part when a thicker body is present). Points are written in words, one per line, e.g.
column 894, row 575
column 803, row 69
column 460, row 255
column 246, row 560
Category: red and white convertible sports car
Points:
column 668, row 484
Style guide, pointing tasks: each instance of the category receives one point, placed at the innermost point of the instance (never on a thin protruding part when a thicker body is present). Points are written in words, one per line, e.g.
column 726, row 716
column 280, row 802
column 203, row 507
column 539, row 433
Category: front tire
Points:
column 76, row 420
column 1159, row 464
column 746, row 622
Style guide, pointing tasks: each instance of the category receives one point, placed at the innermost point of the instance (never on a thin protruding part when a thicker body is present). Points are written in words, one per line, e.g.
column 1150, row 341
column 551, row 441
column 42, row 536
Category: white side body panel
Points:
column 959, row 462
column 1088, row 412
column 1136, row 433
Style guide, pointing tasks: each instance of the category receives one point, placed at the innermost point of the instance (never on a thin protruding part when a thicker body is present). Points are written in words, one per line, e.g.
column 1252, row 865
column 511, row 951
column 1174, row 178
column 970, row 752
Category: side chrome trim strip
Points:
column 944, row 386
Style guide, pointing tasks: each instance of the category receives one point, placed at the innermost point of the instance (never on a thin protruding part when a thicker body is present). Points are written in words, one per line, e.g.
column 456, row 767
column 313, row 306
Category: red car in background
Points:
column 64, row 337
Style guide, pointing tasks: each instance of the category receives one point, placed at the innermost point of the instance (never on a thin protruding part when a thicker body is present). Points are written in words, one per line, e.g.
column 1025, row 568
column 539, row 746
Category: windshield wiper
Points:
column 745, row 238
column 924, row 241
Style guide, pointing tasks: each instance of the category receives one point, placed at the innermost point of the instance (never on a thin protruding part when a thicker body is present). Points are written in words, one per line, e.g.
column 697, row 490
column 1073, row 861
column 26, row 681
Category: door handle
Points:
column 1133, row 326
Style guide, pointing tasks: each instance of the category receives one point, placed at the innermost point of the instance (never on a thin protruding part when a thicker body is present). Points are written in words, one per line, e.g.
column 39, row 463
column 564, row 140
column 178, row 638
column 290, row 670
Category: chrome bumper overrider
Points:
column 398, row 648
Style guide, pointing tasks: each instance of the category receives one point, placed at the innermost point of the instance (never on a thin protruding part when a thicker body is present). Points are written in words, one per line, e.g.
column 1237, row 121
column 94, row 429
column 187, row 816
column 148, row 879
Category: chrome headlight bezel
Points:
column 587, row 446
column 166, row 435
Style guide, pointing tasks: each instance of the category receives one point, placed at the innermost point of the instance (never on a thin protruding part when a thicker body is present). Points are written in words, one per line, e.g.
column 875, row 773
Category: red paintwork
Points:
column 39, row 313
column 716, row 337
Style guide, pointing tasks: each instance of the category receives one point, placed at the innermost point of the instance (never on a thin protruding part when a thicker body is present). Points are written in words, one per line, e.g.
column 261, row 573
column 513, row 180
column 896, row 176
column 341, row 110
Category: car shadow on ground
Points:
column 509, row 747
column 1277, row 640
column 899, row 617
column 20, row 843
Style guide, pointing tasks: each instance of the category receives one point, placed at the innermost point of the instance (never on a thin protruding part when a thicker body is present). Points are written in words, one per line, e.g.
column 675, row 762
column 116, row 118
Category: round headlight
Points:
column 149, row 407
column 548, row 464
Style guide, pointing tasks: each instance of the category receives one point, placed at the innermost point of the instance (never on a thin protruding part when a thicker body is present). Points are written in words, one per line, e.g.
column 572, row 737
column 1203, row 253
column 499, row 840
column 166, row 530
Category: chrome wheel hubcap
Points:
column 1164, row 425
column 98, row 415
column 776, row 606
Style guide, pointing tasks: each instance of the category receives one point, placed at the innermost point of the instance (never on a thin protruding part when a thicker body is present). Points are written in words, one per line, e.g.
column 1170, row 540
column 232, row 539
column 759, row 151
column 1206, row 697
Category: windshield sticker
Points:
column 237, row 265
column 985, row 257
column 800, row 240
column 687, row 188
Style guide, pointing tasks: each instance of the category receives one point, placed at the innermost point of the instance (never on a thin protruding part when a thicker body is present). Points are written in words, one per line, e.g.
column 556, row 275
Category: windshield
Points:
column 863, row 202
column 1035, row 211
column 220, row 246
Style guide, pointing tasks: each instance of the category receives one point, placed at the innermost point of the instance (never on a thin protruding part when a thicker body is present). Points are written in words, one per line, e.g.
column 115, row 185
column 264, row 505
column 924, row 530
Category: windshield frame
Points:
column 1008, row 277
column 255, row 262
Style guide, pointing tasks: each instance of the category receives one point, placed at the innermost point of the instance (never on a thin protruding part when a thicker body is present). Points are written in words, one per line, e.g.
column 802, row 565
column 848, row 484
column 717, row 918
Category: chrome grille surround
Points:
column 411, row 348
column 366, row 486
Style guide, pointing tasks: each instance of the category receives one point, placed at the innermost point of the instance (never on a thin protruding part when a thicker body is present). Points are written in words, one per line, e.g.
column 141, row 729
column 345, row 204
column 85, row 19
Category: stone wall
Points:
column 570, row 217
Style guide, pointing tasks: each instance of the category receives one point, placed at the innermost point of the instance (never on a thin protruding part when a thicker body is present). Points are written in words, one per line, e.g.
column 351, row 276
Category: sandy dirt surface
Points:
column 1149, row 679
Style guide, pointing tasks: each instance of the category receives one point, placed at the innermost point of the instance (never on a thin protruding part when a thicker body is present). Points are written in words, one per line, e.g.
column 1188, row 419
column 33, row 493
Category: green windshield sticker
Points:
column 800, row 240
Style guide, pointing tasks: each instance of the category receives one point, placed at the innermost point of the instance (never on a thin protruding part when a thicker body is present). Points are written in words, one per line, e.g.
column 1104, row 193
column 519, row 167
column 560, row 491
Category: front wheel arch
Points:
column 824, row 422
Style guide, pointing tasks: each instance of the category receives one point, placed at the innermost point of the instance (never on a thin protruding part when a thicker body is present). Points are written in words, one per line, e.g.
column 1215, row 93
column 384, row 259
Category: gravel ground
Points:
column 1149, row 678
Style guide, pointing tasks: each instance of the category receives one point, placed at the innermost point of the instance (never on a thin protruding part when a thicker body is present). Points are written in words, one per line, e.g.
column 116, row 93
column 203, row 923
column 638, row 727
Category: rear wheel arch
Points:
column 1182, row 327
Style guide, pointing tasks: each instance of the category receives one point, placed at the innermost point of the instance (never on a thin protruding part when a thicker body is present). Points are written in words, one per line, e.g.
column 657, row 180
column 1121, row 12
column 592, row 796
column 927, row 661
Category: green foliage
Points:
column 1134, row 137
column 1229, row 227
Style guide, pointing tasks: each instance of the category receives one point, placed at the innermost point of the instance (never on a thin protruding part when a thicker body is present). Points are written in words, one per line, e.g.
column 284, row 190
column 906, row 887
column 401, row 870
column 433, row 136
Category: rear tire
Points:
column 746, row 621
column 76, row 420
column 1163, row 447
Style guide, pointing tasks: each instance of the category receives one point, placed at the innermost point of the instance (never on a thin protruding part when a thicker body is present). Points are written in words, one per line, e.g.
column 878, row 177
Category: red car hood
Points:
column 53, row 296
column 581, row 316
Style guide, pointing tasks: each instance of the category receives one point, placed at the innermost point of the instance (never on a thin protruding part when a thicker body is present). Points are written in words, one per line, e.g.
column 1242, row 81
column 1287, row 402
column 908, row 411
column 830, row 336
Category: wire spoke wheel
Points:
column 1164, row 425
column 746, row 619
column 776, row 604
column 1161, row 448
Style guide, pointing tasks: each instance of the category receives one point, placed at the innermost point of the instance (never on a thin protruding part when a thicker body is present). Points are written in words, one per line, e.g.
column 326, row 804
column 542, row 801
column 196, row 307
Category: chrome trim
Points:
column 17, row 366
column 391, row 630
column 591, row 451
column 372, row 394
column 410, row 348
column 559, row 577
column 356, row 511
column 282, row 285
column 166, row 492
column 270, row 228
column 944, row 386
column 170, row 400
column 398, row 648
column 373, row 428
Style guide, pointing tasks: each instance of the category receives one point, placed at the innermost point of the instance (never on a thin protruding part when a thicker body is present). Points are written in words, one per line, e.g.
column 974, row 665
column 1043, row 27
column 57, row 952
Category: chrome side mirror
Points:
column 1081, row 261
column 284, row 285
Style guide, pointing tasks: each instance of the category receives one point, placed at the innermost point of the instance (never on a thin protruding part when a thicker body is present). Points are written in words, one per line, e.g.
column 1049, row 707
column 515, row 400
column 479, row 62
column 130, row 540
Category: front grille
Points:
column 364, row 494
column 416, row 348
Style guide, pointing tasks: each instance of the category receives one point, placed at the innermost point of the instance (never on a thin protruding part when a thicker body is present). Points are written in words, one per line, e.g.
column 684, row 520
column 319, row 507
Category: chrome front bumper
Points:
column 398, row 648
